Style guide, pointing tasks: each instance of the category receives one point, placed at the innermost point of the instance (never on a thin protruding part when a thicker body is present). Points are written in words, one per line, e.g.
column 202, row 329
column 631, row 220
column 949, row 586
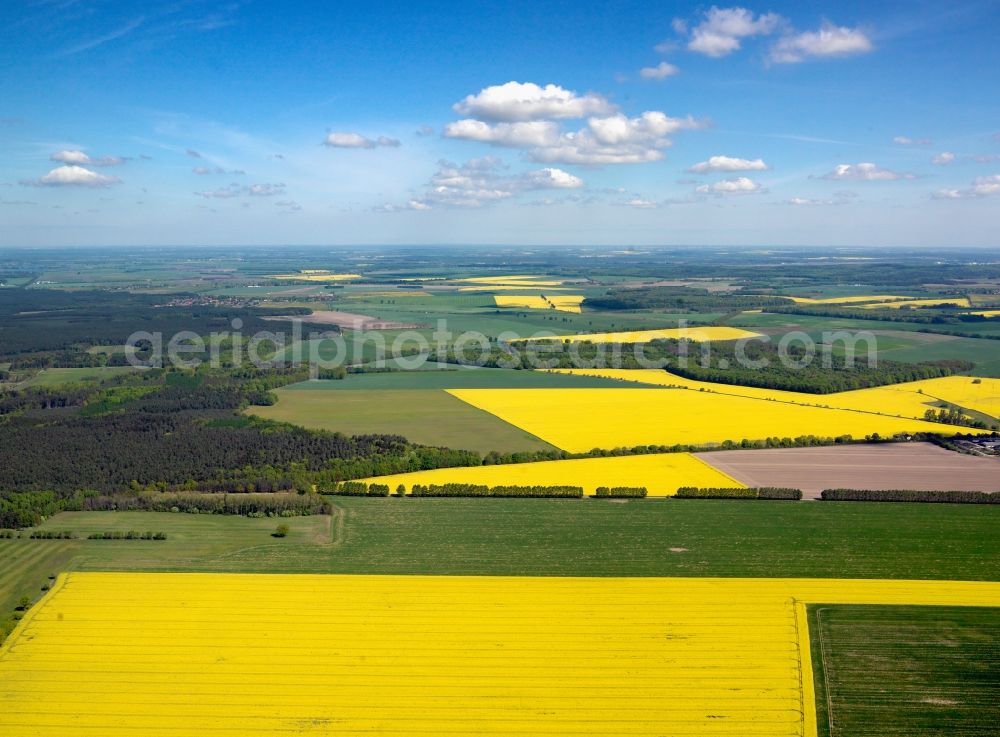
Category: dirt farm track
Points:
column 920, row 466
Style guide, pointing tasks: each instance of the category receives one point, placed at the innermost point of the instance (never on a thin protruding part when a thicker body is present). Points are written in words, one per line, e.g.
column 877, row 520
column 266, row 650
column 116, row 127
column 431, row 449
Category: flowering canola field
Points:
column 662, row 474
column 317, row 276
column 957, row 301
column 700, row 335
column 560, row 302
column 846, row 300
column 195, row 655
column 910, row 399
column 578, row 420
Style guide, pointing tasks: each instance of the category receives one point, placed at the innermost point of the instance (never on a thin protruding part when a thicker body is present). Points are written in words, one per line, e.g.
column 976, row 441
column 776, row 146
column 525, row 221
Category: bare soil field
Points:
column 348, row 320
column 919, row 466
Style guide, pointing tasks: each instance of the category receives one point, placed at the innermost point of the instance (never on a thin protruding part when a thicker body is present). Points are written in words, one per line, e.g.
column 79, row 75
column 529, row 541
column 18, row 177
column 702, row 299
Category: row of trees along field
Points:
column 722, row 363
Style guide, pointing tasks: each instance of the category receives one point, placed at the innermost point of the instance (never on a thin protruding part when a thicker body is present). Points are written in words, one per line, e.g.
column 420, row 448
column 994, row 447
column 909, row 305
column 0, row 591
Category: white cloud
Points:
column 739, row 185
column 72, row 176
column 907, row 141
column 840, row 198
column 829, row 41
column 981, row 187
column 356, row 140
column 615, row 139
column 480, row 182
column 943, row 158
column 719, row 33
column 728, row 163
column 660, row 71
column 552, row 178
column 515, row 101
column 265, row 190
column 639, row 203
column 528, row 134
column 81, row 159
column 865, row 172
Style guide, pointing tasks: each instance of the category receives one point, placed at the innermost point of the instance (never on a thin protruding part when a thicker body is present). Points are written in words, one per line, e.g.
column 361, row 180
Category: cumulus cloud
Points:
column 720, row 31
column 660, row 71
column 738, row 185
column 516, row 101
column 356, row 140
column 425, row 130
column 524, row 116
column 483, row 181
column 79, row 158
column 615, row 139
column 828, row 42
column 640, row 203
column 528, row 134
column 907, row 141
column 728, row 163
column 72, row 176
column 944, row 158
column 551, row 178
column 981, row 187
column 865, row 172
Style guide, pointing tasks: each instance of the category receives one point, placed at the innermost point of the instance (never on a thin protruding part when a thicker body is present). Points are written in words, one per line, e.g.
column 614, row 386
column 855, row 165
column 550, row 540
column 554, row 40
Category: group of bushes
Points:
column 475, row 490
column 357, row 488
column 910, row 495
column 51, row 535
column 130, row 535
column 760, row 492
column 621, row 492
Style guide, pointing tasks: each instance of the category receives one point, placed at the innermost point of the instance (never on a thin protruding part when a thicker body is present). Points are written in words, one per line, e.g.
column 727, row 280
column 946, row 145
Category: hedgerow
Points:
column 761, row 492
column 621, row 492
column 910, row 495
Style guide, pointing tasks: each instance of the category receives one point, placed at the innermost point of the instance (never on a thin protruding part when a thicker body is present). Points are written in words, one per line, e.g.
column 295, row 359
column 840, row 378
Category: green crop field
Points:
column 425, row 416
column 460, row 378
column 900, row 671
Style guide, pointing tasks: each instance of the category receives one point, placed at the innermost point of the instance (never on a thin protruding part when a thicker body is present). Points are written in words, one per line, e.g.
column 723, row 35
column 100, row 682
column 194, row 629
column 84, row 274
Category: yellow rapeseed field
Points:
column 701, row 335
column 195, row 655
column 986, row 313
column 662, row 474
column 846, row 300
column 578, row 420
column 910, row 399
column 523, row 280
column 316, row 276
column 957, row 301
column 560, row 302
column 510, row 288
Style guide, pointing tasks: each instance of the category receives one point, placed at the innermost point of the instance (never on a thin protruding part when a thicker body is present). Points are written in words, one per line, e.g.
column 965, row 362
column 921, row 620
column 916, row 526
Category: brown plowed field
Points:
column 919, row 466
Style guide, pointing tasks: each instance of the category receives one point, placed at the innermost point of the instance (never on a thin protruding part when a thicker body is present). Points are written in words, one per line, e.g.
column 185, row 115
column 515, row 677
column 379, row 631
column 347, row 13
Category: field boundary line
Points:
column 739, row 484
column 29, row 615
column 806, row 684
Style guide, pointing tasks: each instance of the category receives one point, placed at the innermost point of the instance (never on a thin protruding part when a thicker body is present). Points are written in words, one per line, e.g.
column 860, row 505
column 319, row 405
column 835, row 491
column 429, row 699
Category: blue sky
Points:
column 197, row 122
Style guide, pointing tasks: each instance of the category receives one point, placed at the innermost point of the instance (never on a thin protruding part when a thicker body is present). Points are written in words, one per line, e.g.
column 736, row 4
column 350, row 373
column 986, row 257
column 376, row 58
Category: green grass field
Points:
column 902, row 671
column 424, row 416
column 460, row 378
